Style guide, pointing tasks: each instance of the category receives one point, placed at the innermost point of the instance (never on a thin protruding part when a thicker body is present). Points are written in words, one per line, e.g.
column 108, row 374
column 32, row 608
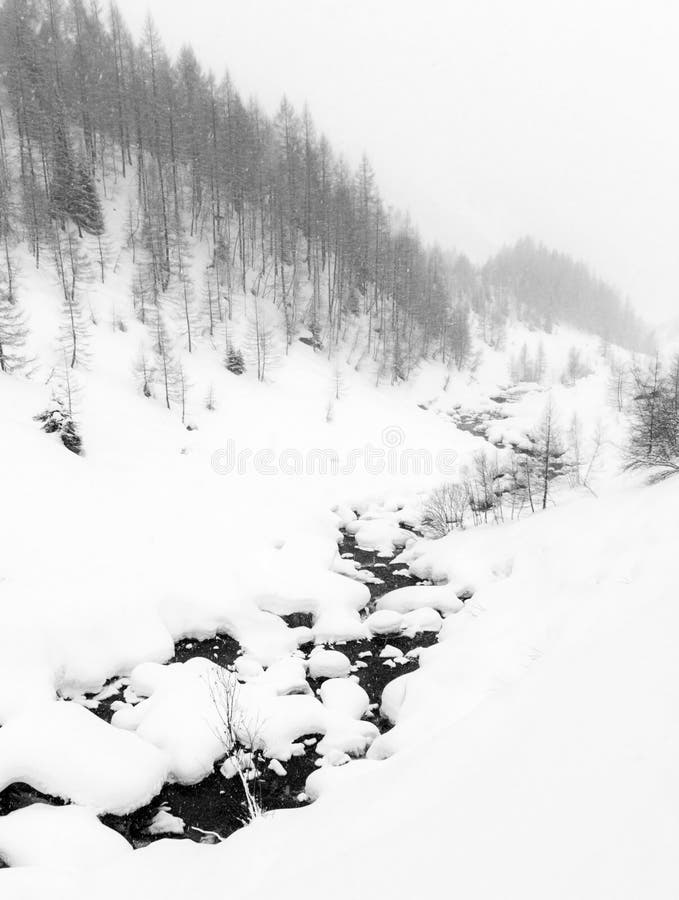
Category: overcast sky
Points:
column 487, row 119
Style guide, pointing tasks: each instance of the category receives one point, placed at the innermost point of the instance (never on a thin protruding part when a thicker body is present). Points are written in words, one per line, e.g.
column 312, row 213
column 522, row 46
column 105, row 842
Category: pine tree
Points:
column 261, row 342
column 234, row 361
column 548, row 449
column 13, row 329
column 165, row 364
column 74, row 273
column 145, row 372
column 213, row 312
column 460, row 335
column 187, row 314
column 653, row 440
column 84, row 206
column 63, row 184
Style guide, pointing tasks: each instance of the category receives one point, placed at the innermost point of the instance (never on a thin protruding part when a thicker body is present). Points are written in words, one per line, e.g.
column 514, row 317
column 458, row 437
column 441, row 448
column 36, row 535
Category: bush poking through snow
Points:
column 55, row 420
column 445, row 508
column 238, row 735
column 653, row 439
column 210, row 399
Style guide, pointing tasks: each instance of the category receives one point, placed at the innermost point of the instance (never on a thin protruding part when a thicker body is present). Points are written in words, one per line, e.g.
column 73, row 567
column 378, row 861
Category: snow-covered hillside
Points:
column 533, row 751
column 532, row 748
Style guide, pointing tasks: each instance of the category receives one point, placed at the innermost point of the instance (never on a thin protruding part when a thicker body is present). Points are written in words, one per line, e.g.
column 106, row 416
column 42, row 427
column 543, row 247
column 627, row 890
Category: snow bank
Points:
column 552, row 751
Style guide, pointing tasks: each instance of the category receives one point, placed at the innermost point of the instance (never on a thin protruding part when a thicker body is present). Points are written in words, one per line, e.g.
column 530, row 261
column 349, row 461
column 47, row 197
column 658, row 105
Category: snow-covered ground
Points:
column 532, row 752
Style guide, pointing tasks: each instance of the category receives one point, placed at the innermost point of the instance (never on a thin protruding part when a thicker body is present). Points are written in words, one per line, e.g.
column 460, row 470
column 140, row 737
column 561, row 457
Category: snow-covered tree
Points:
column 13, row 328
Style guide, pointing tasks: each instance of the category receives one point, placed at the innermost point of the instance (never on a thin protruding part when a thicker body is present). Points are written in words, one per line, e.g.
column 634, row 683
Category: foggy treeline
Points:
column 283, row 218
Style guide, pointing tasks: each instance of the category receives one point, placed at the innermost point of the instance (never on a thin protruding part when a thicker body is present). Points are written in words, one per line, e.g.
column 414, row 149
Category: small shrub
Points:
column 445, row 508
column 55, row 420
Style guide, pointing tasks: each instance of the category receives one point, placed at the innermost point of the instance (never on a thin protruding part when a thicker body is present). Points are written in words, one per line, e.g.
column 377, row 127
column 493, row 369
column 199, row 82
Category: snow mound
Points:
column 165, row 823
column 406, row 599
column 192, row 711
column 422, row 619
column 328, row 664
column 346, row 696
column 281, row 721
column 178, row 715
column 393, row 697
column 379, row 532
column 43, row 835
column 64, row 750
column 385, row 621
column 390, row 652
column 286, row 676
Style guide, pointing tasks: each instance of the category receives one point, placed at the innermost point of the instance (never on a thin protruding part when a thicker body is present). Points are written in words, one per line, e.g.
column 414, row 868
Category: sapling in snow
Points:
column 237, row 734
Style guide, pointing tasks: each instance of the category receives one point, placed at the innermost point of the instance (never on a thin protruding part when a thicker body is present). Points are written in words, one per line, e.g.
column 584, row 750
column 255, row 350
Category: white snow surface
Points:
column 534, row 751
column 165, row 823
column 345, row 695
column 545, row 722
column 328, row 664
column 385, row 621
column 64, row 750
column 177, row 715
column 420, row 596
column 42, row 835
column 191, row 710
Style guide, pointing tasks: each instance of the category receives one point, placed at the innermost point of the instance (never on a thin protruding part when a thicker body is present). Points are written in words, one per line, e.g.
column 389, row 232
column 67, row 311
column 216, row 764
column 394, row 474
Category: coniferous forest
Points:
column 282, row 216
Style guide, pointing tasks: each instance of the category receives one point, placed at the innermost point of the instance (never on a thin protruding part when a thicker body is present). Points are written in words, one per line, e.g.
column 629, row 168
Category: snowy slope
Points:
column 530, row 751
column 536, row 746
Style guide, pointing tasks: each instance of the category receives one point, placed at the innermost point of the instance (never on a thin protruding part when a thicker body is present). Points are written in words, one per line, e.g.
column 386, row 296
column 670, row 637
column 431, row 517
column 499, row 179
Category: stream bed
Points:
column 216, row 806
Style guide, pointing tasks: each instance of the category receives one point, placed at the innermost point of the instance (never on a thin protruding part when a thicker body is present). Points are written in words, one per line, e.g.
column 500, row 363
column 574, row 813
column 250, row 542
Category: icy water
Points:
column 215, row 807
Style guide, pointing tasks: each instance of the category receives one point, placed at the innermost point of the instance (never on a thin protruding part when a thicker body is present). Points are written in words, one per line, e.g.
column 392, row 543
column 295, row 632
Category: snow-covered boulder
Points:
column 286, row 676
column 406, row 599
column 345, row 695
column 179, row 714
column 247, row 668
column 165, row 823
column 385, row 621
column 393, row 696
column 328, row 664
column 64, row 750
column 422, row 619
